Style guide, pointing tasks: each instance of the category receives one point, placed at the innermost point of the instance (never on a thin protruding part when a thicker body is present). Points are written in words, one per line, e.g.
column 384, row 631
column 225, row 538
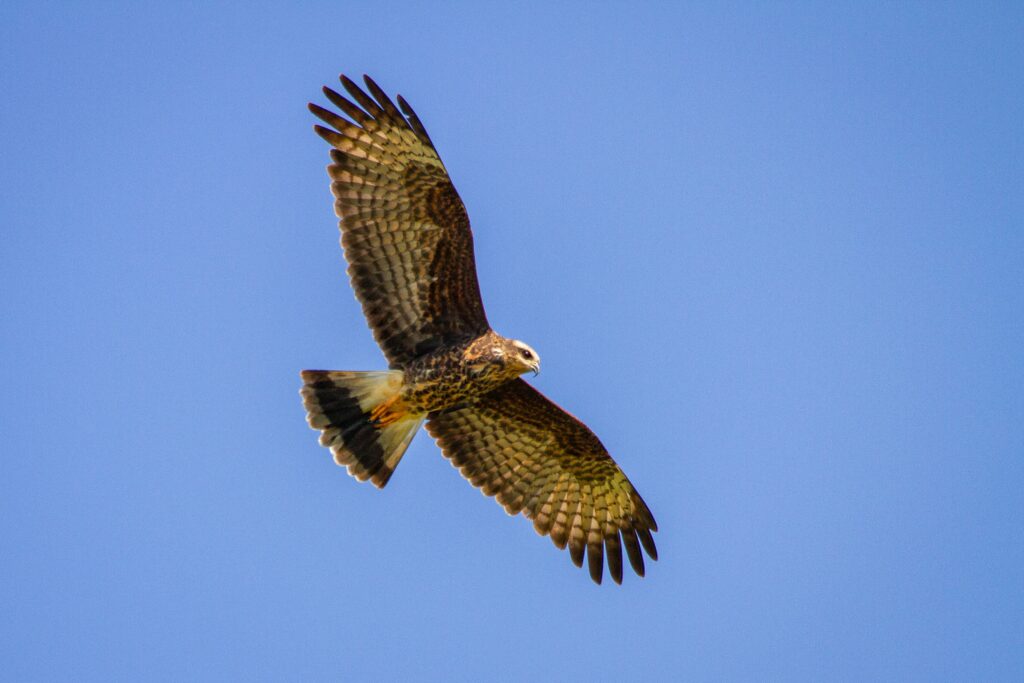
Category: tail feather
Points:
column 341, row 405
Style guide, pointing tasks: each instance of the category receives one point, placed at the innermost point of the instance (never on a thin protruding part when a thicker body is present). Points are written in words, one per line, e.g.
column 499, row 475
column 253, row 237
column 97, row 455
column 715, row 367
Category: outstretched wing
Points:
column 403, row 226
column 515, row 444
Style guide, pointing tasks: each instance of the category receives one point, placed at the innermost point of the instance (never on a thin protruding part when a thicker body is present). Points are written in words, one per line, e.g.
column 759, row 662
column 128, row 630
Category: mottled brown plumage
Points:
column 407, row 239
column 404, row 229
column 535, row 458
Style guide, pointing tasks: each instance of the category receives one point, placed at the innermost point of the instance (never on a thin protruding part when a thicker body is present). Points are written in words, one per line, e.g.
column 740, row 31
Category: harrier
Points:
column 406, row 236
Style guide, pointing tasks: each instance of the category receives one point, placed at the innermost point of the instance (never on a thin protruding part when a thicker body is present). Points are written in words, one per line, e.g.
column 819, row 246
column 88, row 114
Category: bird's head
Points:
column 522, row 357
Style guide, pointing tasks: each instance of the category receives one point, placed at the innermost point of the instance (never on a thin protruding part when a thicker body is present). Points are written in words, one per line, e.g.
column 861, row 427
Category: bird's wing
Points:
column 515, row 444
column 404, row 228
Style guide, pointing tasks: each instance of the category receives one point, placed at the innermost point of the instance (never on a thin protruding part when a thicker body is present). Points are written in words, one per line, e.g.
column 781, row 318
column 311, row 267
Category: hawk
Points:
column 406, row 236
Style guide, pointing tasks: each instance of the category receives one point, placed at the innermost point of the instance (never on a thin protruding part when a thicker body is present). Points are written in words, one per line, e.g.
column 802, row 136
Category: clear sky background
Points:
column 772, row 254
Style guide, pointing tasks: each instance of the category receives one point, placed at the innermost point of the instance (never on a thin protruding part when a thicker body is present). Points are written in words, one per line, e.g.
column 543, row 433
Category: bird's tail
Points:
column 360, row 419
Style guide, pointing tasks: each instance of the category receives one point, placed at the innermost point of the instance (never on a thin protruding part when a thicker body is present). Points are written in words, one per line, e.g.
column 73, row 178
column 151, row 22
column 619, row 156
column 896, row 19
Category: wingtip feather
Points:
column 648, row 543
column 595, row 559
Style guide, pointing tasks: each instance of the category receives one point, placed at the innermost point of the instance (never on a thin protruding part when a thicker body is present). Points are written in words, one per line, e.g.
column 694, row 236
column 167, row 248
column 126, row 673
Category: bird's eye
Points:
column 527, row 355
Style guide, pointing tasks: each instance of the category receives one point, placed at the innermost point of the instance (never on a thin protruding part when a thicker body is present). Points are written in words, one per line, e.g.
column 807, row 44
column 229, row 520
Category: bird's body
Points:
column 406, row 235
column 449, row 375
column 452, row 374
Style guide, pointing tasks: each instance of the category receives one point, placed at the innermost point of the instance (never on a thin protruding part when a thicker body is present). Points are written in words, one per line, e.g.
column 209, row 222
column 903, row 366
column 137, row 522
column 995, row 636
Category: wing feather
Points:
column 636, row 558
column 414, row 121
column 352, row 111
column 364, row 100
column 613, row 551
column 404, row 229
column 536, row 459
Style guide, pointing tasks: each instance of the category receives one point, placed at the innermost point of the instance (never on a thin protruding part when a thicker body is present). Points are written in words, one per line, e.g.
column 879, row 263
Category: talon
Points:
column 383, row 415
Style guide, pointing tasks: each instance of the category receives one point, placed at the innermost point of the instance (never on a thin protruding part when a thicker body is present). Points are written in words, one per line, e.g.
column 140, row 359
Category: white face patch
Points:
column 527, row 351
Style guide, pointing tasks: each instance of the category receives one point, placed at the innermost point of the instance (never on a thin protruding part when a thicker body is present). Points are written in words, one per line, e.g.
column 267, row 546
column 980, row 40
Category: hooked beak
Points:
column 536, row 368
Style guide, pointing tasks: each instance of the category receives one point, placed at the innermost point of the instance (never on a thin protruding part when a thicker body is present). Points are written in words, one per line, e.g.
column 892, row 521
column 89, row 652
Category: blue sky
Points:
column 771, row 254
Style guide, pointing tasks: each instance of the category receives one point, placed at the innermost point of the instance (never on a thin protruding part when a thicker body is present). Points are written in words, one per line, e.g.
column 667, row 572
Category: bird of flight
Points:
column 406, row 236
